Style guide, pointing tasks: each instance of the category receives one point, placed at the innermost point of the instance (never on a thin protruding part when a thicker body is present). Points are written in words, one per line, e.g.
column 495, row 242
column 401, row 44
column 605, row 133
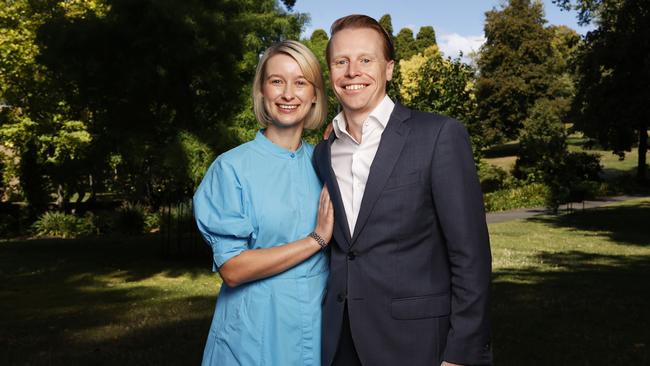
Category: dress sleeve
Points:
column 221, row 213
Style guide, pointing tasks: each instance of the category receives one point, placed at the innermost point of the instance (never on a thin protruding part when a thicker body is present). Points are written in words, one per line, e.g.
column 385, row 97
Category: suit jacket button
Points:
column 352, row 255
column 340, row 297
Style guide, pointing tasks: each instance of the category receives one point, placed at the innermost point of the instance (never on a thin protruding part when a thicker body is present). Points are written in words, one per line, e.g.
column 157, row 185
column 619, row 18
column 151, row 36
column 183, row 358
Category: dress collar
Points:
column 268, row 146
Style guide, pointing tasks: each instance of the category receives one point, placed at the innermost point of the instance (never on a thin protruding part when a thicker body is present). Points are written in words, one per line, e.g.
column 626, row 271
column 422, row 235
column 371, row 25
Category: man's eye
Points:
column 365, row 60
column 341, row 62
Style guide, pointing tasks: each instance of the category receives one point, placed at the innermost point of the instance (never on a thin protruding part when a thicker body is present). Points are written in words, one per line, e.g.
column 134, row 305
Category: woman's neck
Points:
column 288, row 138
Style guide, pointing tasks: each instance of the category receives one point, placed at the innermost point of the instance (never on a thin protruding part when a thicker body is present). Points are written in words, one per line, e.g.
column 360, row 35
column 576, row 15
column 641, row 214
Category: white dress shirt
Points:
column 351, row 160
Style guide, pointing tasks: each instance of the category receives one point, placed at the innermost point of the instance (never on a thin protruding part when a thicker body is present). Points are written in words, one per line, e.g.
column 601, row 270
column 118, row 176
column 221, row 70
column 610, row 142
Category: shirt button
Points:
column 292, row 155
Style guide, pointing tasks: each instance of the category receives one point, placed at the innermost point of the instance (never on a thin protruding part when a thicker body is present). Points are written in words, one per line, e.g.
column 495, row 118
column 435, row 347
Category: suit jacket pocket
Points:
column 399, row 181
column 420, row 307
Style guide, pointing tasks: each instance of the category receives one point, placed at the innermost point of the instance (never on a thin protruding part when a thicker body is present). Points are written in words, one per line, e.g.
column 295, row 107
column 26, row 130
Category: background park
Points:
column 112, row 110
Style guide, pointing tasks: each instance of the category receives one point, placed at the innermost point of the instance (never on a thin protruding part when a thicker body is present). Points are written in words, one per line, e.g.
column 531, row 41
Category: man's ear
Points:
column 390, row 65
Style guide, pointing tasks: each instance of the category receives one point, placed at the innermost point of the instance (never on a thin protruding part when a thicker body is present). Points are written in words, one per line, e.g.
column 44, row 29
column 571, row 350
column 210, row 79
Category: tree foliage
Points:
column 386, row 22
column 613, row 67
column 425, row 38
column 405, row 46
column 117, row 84
column 515, row 67
column 431, row 83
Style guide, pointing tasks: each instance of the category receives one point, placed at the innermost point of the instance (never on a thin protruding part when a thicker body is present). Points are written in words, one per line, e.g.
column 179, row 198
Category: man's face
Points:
column 358, row 69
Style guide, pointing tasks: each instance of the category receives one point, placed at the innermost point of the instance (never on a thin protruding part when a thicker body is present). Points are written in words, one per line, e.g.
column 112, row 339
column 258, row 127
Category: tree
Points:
column 386, row 22
column 45, row 143
column 425, row 38
column 565, row 44
column 433, row 84
column 142, row 78
column 404, row 44
column 515, row 67
column 613, row 76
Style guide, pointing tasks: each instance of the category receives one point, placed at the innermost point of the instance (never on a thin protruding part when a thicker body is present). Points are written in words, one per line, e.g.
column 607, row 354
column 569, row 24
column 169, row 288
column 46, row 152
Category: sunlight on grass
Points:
column 524, row 244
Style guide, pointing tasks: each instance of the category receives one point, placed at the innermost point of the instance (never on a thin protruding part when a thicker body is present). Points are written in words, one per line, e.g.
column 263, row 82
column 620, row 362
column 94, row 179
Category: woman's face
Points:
column 288, row 96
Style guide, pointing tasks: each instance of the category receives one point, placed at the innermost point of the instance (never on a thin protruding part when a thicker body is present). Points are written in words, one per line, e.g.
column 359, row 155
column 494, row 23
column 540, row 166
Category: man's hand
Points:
column 328, row 131
column 445, row 363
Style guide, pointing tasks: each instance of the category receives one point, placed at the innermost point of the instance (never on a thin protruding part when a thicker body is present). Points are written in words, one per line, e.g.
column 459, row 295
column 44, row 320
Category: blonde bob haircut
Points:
column 311, row 71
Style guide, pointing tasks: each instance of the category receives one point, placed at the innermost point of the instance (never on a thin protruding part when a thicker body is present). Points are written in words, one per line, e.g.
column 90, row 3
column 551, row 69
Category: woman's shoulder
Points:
column 237, row 155
column 309, row 148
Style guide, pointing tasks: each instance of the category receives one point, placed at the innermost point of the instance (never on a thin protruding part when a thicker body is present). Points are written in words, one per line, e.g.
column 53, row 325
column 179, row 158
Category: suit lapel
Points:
column 390, row 147
column 341, row 221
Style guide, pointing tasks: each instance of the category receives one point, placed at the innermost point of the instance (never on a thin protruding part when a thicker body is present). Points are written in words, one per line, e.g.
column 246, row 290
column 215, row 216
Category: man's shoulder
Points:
column 432, row 121
column 320, row 149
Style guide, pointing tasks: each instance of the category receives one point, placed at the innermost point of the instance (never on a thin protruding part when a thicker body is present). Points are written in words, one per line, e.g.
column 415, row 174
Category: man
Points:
column 410, row 263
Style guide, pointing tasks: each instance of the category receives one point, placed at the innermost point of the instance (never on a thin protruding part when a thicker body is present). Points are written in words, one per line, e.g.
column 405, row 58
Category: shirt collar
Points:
column 381, row 114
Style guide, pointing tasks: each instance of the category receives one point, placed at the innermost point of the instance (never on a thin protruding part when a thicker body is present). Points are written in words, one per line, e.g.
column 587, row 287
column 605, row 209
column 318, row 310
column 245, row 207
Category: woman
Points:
column 261, row 208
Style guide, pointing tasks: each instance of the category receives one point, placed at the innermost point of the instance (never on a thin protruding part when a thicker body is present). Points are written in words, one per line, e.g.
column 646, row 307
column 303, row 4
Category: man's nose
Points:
column 353, row 69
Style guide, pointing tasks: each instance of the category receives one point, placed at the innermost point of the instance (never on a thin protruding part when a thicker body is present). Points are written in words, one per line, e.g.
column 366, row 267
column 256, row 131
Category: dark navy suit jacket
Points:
column 416, row 271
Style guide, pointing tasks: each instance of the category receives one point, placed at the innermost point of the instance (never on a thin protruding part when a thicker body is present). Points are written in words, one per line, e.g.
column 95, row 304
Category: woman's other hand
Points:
column 325, row 221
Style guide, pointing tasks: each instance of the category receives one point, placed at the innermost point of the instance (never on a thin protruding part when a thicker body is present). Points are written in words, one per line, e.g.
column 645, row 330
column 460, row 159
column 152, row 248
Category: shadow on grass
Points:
column 625, row 224
column 593, row 310
column 79, row 302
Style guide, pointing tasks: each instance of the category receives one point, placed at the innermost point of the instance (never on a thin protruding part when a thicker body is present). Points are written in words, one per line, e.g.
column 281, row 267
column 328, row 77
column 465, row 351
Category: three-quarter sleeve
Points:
column 221, row 213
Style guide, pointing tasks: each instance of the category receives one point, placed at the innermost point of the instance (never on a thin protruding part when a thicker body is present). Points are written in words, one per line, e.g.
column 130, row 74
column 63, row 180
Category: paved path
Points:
column 523, row 213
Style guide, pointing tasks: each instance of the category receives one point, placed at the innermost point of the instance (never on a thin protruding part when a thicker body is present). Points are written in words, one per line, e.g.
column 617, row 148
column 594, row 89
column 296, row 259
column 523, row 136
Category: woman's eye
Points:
column 276, row 81
column 301, row 83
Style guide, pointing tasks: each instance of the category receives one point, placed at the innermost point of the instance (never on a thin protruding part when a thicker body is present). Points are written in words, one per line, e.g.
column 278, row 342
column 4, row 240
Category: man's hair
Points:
column 310, row 68
column 356, row 21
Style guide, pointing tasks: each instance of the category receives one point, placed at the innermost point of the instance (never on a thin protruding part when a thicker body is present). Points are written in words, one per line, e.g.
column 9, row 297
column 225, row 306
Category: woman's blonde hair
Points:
column 311, row 71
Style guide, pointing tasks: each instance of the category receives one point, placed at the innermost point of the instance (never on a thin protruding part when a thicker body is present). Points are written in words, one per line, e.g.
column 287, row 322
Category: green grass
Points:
column 502, row 156
column 101, row 302
column 573, row 289
column 569, row 289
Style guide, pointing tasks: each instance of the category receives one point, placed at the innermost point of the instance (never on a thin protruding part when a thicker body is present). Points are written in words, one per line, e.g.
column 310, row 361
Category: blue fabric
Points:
column 260, row 195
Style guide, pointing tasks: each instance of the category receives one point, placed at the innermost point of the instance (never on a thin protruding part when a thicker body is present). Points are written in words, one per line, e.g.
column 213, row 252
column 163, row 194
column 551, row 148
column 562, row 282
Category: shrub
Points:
column 152, row 221
column 62, row 225
column 584, row 166
column 526, row 196
column 492, row 177
column 8, row 225
column 130, row 218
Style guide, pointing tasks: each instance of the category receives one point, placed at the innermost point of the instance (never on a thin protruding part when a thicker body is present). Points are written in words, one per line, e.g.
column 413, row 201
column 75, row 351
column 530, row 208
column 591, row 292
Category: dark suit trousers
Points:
column 346, row 353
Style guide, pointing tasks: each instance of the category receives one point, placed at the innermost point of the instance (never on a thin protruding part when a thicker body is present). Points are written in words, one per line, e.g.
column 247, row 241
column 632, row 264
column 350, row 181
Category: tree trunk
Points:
column 642, row 168
column 60, row 197
column 91, row 187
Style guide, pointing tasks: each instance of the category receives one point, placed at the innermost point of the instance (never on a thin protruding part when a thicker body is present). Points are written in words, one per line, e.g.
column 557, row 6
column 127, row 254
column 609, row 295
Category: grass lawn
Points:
column 101, row 302
column 571, row 289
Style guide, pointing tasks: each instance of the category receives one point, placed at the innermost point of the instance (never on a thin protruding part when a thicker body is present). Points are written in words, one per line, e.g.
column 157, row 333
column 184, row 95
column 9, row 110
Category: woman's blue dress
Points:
column 260, row 195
